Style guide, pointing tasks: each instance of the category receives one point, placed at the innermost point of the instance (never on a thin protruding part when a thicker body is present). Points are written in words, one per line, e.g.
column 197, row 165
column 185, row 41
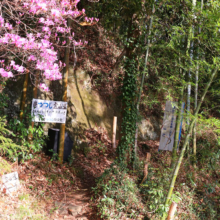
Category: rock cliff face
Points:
column 91, row 109
column 149, row 129
column 86, row 108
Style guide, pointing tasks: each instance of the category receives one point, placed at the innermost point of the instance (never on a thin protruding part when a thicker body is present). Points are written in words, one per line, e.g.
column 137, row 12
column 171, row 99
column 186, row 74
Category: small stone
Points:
column 61, row 208
column 63, row 211
column 74, row 210
column 66, row 217
column 58, row 204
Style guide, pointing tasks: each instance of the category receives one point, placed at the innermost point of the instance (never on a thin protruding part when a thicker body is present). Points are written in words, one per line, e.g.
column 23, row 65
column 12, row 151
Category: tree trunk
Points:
column 30, row 136
column 125, row 148
column 65, row 80
column 35, row 89
column 24, row 95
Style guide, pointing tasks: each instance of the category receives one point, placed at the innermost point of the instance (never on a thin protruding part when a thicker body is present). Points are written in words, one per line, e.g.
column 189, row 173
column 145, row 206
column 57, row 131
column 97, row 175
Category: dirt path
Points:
column 25, row 205
column 50, row 191
column 76, row 206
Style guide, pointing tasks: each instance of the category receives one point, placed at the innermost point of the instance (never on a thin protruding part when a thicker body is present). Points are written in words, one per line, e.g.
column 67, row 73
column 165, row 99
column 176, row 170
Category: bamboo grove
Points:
column 175, row 42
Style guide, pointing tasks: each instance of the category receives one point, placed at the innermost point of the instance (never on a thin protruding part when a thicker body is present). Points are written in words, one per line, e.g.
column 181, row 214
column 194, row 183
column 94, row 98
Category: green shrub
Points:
column 5, row 167
column 118, row 195
column 7, row 146
column 207, row 209
column 23, row 131
column 155, row 189
column 208, row 154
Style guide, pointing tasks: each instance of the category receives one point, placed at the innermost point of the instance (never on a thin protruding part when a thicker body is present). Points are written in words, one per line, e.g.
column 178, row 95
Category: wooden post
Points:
column 147, row 161
column 114, row 132
column 172, row 211
column 65, row 80
column 24, row 94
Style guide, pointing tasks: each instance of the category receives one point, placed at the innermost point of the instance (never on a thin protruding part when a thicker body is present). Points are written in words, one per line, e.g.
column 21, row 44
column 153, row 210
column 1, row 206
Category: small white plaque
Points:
column 10, row 182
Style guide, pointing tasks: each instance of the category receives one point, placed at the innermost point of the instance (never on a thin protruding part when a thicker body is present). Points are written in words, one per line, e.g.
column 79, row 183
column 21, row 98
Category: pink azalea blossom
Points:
column 44, row 87
column 6, row 74
column 31, row 58
column 42, row 20
column 55, row 12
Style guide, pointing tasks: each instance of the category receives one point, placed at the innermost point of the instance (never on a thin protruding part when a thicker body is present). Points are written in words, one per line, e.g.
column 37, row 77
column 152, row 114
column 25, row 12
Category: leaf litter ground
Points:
column 53, row 191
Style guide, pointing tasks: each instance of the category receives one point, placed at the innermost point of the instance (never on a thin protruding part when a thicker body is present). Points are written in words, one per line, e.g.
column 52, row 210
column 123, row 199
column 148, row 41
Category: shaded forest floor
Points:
column 53, row 191
column 49, row 190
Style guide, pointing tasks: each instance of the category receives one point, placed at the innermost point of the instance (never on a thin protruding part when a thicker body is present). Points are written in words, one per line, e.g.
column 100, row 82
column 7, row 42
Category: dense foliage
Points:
column 169, row 51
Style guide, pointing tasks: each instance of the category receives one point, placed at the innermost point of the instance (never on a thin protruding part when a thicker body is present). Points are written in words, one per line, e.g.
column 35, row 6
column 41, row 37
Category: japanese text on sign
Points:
column 168, row 128
column 48, row 111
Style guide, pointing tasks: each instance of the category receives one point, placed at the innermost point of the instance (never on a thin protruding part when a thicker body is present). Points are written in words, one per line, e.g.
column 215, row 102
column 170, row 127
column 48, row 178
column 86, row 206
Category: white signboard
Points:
column 10, row 183
column 168, row 128
column 48, row 111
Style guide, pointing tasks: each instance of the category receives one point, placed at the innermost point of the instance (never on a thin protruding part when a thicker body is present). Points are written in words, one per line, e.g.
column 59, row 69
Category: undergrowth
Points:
column 31, row 139
column 18, row 140
column 118, row 196
column 7, row 146
column 154, row 190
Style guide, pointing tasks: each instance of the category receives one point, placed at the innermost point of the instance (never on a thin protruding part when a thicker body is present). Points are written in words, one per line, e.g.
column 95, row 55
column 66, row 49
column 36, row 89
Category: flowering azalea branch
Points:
column 31, row 33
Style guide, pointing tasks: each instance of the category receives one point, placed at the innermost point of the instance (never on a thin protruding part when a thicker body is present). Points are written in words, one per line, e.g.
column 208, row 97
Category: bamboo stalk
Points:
column 190, row 44
column 188, row 90
column 64, row 83
column 114, row 132
column 195, row 106
column 172, row 184
column 24, row 95
column 196, row 97
column 177, row 129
